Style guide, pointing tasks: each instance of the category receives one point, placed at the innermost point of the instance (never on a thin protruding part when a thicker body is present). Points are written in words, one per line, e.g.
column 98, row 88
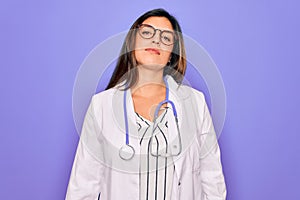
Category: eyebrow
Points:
column 159, row 28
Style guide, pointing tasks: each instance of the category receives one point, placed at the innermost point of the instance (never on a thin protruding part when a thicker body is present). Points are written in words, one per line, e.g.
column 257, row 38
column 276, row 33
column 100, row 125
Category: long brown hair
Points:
column 126, row 62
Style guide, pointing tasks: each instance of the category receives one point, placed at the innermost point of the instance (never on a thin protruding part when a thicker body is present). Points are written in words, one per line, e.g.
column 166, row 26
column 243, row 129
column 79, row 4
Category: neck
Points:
column 149, row 83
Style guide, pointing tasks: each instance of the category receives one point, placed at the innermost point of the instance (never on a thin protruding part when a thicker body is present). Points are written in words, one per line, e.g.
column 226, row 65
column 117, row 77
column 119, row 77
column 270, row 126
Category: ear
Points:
column 170, row 58
column 168, row 63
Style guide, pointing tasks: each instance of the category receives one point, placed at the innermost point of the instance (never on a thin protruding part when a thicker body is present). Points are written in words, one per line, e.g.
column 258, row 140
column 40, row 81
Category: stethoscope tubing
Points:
column 128, row 146
column 126, row 117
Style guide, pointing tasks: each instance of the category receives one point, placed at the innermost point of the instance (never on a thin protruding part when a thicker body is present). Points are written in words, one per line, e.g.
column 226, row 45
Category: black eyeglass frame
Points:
column 160, row 35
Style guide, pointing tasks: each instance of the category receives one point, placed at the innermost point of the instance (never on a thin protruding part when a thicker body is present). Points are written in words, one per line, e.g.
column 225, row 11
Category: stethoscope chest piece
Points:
column 126, row 152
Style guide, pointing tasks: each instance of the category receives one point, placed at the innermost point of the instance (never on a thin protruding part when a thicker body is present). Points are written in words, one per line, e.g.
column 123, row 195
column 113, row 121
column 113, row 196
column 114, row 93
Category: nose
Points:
column 156, row 37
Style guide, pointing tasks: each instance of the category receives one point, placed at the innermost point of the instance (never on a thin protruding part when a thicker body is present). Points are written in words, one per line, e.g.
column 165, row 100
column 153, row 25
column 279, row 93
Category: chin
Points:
column 153, row 66
column 152, row 62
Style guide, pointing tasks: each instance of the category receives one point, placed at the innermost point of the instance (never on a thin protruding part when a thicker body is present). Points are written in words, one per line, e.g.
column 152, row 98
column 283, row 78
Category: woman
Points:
column 147, row 136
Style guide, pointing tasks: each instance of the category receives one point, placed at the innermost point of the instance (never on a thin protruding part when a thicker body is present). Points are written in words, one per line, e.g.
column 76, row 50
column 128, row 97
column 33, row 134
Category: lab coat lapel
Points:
column 173, row 134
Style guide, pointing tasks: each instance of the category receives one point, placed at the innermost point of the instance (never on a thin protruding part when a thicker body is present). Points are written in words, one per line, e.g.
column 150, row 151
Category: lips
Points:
column 153, row 50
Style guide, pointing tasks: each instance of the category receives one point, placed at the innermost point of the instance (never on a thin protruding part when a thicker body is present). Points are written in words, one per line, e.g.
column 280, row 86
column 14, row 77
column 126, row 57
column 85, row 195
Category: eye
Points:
column 145, row 32
column 166, row 38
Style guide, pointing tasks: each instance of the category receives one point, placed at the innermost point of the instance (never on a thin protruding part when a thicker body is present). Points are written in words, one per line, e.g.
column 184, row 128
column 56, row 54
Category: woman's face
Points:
column 154, row 51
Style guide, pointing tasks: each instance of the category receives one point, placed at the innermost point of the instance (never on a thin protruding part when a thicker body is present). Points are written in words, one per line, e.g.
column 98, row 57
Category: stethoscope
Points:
column 127, row 151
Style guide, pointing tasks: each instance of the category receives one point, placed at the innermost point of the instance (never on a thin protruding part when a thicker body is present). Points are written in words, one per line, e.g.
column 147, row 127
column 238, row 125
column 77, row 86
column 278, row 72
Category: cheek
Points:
column 141, row 43
column 138, row 55
column 165, row 56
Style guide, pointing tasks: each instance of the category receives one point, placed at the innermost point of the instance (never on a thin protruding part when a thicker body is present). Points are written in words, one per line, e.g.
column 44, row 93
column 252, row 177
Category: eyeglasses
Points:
column 147, row 31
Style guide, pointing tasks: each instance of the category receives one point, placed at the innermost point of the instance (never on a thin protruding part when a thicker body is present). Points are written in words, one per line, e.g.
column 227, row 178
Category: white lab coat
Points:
column 98, row 169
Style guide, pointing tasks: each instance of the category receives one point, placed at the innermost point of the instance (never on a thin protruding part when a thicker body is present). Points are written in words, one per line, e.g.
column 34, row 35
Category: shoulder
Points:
column 104, row 94
column 103, row 98
column 193, row 93
column 198, row 94
column 185, row 91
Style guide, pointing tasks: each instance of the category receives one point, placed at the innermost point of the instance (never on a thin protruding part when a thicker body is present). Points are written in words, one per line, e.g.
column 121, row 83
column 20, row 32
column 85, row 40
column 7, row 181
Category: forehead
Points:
column 159, row 22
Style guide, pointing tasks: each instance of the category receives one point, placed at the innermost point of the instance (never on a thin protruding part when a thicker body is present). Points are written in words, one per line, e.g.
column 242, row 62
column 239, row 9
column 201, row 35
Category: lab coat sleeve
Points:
column 86, row 172
column 213, row 183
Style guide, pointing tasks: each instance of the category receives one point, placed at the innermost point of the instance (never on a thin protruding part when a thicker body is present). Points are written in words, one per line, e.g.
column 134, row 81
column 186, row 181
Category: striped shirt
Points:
column 156, row 173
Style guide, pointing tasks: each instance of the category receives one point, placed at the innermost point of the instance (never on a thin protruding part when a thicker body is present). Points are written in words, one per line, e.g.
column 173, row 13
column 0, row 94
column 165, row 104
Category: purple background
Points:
column 255, row 45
